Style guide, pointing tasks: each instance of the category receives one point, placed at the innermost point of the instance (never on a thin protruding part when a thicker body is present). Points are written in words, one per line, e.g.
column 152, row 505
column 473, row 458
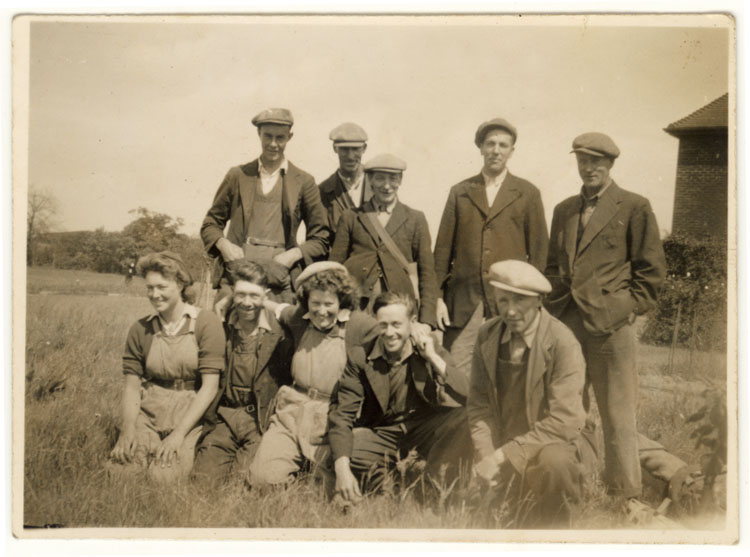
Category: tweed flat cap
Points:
column 597, row 144
column 495, row 123
column 281, row 116
column 520, row 277
column 317, row 267
column 385, row 163
column 348, row 134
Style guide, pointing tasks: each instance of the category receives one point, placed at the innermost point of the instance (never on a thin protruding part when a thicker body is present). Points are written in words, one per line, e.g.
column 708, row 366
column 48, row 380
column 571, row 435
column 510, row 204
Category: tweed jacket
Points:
column 359, row 248
column 336, row 200
column 233, row 203
column 273, row 364
column 617, row 267
column 555, row 377
column 472, row 236
column 362, row 394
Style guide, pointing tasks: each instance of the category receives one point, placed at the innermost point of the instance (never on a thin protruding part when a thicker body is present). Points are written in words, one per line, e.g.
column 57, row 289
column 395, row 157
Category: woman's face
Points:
column 164, row 294
column 323, row 307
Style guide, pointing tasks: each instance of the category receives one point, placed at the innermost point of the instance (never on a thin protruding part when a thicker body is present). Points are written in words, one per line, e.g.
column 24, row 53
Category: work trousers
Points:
column 441, row 437
column 228, row 450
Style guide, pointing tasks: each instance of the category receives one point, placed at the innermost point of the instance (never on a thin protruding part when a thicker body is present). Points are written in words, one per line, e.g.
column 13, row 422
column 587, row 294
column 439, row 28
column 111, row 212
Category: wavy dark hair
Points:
column 390, row 298
column 171, row 266
column 336, row 281
column 249, row 272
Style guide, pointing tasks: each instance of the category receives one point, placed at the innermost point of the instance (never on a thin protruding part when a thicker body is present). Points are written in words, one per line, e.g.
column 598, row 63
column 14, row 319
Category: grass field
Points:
column 75, row 336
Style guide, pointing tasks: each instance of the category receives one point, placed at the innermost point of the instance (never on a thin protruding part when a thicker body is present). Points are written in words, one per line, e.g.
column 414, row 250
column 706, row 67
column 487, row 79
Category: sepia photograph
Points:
column 420, row 277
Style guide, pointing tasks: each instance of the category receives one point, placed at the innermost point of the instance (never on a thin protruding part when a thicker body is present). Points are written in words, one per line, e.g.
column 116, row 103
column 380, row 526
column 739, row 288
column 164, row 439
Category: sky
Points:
column 153, row 113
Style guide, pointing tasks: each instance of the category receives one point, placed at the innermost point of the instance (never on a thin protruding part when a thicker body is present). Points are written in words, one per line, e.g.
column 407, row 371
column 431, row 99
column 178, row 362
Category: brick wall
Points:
column 700, row 203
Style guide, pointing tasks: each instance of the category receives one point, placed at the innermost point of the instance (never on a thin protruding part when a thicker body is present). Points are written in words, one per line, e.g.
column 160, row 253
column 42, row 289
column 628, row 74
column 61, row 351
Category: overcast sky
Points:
column 153, row 114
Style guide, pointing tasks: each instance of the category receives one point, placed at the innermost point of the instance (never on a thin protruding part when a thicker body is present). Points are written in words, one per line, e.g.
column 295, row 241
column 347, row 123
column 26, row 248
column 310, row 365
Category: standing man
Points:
column 606, row 265
column 346, row 188
column 489, row 217
column 525, row 402
column 264, row 202
column 398, row 393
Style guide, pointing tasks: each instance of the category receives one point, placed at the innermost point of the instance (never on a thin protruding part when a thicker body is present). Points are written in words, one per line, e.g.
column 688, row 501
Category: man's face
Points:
column 594, row 170
column 395, row 327
column 350, row 157
column 385, row 186
column 496, row 149
column 516, row 310
column 273, row 140
column 248, row 299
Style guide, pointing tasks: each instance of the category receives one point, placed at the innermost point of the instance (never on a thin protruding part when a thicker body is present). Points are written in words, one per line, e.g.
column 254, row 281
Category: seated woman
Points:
column 172, row 363
column 386, row 245
column 258, row 357
column 321, row 326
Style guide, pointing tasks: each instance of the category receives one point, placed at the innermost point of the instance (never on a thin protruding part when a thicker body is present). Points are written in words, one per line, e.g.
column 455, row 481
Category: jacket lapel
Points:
column 398, row 217
column 364, row 219
column 606, row 209
column 342, row 196
column 571, row 232
column 290, row 186
column 477, row 194
column 508, row 194
column 377, row 374
column 267, row 346
column 537, row 365
column 247, row 189
column 490, row 350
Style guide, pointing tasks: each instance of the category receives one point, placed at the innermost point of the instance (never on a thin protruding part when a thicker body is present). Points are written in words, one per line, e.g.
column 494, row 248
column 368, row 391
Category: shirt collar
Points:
column 283, row 166
column 528, row 335
column 262, row 320
column 336, row 330
column 378, row 351
column 497, row 181
column 352, row 183
column 382, row 208
column 598, row 194
column 189, row 310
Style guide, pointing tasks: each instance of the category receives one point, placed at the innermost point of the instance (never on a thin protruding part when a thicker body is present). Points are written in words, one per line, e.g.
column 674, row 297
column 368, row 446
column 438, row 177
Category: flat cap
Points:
column 348, row 134
column 495, row 123
column 385, row 163
column 597, row 144
column 281, row 116
column 315, row 268
column 518, row 276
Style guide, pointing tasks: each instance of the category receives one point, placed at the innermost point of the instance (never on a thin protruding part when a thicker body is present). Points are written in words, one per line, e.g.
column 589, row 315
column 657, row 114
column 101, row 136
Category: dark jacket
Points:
column 273, row 362
column 555, row 376
column 473, row 236
column 362, row 394
column 233, row 203
column 358, row 247
column 335, row 199
column 617, row 267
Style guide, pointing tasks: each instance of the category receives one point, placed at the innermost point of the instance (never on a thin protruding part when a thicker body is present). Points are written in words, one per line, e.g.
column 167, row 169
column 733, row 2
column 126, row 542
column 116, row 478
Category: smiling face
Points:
column 273, row 140
column 516, row 310
column 385, row 186
column 248, row 299
column 323, row 307
column 163, row 293
column 594, row 170
column 350, row 157
column 496, row 149
column 395, row 327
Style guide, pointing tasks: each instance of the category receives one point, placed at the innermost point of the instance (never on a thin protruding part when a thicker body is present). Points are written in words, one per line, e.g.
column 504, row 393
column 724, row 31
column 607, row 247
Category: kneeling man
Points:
column 525, row 402
column 398, row 393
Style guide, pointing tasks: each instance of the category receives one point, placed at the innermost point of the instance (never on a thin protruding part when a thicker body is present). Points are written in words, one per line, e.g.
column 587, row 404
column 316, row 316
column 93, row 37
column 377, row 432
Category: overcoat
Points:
column 233, row 203
column 553, row 393
column 358, row 247
column 617, row 267
column 472, row 236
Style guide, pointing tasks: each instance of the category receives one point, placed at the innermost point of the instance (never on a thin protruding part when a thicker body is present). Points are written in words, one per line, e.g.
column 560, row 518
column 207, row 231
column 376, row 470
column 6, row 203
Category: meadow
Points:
column 76, row 324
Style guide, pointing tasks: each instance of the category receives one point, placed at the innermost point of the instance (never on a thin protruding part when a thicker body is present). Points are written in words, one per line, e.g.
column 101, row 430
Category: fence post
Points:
column 673, row 347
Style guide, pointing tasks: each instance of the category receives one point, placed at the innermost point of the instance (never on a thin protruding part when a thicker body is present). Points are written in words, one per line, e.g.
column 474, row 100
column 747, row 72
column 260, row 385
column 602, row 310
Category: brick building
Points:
column 700, row 199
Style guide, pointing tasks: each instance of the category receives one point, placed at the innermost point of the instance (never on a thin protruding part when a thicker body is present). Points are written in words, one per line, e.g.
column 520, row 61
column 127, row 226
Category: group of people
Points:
column 335, row 353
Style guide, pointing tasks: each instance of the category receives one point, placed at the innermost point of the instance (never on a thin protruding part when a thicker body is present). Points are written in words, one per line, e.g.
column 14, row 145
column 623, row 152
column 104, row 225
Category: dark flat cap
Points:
column 520, row 277
column 385, row 163
column 495, row 123
column 282, row 116
column 597, row 144
column 348, row 134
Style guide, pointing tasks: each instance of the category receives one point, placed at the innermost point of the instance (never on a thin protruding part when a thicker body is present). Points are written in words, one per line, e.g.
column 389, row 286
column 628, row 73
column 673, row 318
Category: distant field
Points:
column 75, row 338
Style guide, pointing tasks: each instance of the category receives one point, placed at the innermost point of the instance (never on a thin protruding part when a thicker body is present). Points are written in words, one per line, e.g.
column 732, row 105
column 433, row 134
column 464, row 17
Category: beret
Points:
column 317, row 267
column 385, row 163
column 495, row 123
column 281, row 116
column 348, row 134
column 520, row 277
column 597, row 144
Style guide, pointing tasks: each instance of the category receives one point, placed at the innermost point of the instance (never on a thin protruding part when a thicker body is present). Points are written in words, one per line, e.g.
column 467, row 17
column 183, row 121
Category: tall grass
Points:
column 73, row 384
